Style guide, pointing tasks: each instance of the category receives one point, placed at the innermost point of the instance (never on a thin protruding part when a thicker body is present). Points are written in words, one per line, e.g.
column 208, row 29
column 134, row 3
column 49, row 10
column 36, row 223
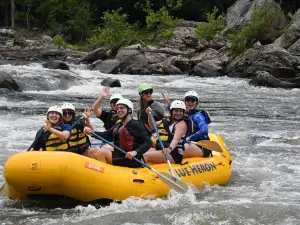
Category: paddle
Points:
column 161, row 144
column 210, row 145
column 39, row 134
column 169, row 180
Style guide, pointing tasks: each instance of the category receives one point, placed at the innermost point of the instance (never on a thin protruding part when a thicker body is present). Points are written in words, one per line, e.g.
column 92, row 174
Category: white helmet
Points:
column 68, row 106
column 126, row 102
column 115, row 96
column 55, row 108
column 192, row 94
column 177, row 104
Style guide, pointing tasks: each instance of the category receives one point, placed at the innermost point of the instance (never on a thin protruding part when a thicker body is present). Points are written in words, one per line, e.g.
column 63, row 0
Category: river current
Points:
column 260, row 126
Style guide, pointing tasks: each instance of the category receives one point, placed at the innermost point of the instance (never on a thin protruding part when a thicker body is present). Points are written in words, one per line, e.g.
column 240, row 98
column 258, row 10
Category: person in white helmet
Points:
column 78, row 142
column 130, row 135
column 172, row 132
column 198, row 122
column 109, row 118
column 55, row 134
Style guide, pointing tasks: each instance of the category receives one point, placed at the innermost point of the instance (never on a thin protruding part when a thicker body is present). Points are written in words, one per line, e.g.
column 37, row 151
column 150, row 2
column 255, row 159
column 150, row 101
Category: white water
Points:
column 260, row 126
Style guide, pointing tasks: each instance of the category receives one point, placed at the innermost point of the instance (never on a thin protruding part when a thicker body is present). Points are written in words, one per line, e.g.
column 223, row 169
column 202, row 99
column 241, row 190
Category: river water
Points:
column 260, row 126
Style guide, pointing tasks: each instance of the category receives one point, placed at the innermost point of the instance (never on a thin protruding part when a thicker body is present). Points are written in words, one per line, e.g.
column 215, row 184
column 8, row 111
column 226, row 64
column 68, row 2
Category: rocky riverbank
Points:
column 274, row 61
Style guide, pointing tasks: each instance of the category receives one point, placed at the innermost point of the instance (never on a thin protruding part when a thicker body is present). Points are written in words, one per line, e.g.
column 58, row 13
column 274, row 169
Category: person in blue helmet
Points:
column 198, row 121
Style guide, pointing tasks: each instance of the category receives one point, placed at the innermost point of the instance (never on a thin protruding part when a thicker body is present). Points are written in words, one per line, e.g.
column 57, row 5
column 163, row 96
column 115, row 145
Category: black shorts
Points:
column 206, row 152
column 177, row 153
column 78, row 150
column 118, row 159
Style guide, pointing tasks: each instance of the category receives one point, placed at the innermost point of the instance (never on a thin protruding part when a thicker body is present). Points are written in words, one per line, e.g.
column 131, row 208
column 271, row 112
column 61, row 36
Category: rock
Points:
column 263, row 78
column 106, row 66
column 292, row 34
column 239, row 15
column 95, row 55
column 270, row 58
column 133, row 70
column 56, row 65
column 8, row 82
column 109, row 82
column 208, row 68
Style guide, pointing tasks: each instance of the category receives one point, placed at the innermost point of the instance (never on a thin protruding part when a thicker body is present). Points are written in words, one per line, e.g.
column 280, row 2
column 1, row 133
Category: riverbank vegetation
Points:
column 105, row 23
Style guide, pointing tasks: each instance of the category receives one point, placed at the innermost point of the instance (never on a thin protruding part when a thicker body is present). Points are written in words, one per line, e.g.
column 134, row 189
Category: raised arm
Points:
column 97, row 104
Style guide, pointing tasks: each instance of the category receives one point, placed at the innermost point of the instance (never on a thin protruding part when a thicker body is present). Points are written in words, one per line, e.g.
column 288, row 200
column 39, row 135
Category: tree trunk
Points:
column 12, row 13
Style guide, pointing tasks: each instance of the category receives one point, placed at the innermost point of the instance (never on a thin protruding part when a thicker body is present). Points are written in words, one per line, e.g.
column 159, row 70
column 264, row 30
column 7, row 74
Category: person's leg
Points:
column 192, row 150
column 156, row 157
column 108, row 147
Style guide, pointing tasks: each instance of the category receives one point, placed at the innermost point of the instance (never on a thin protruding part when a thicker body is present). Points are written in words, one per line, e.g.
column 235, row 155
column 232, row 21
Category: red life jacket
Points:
column 123, row 138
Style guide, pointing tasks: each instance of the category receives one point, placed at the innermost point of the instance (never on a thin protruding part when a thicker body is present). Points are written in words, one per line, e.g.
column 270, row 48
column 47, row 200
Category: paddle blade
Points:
column 210, row 145
column 173, row 182
column 2, row 190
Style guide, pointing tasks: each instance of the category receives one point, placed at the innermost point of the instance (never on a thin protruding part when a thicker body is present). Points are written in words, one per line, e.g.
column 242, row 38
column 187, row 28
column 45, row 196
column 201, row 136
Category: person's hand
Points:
column 131, row 154
column 105, row 92
column 166, row 151
column 47, row 125
column 148, row 110
column 87, row 113
column 87, row 130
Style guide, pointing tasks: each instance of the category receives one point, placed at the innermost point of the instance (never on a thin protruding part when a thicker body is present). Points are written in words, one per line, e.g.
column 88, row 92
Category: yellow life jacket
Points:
column 77, row 138
column 53, row 143
column 163, row 130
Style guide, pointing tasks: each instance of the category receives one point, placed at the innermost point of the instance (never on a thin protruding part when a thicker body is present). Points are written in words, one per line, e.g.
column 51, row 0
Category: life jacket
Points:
column 191, row 126
column 78, row 138
column 123, row 138
column 53, row 143
column 165, row 134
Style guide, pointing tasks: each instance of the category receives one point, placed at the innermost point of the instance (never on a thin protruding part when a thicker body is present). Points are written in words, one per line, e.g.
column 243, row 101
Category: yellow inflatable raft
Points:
column 85, row 179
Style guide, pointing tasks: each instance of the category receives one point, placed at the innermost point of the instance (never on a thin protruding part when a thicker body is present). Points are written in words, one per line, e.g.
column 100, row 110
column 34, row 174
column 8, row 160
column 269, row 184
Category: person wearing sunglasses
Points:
column 78, row 142
column 55, row 132
column 109, row 118
column 129, row 134
column 198, row 121
column 145, row 91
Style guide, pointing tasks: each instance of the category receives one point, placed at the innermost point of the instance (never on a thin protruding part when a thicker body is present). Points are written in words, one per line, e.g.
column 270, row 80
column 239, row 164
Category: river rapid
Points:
column 260, row 126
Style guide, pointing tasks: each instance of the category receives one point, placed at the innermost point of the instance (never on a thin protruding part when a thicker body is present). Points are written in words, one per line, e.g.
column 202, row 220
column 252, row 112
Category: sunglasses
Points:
column 190, row 99
column 147, row 92
column 114, row 101
column 70, row 113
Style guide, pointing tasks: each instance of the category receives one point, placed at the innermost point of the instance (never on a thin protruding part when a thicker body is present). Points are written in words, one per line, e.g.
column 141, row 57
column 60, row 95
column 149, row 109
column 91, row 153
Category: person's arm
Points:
column 199, row 121
column 159, row 111
column 148, row 111
column 180, row 130
column 105, row 134
column 38, row 141
column 139, row 132
column 87, row 114
column 63, row 135
column 166, row 100
column 96, row 106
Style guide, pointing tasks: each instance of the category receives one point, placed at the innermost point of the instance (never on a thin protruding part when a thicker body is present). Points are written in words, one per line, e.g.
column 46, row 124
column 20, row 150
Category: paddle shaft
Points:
column 172, row 182
column 161, row 144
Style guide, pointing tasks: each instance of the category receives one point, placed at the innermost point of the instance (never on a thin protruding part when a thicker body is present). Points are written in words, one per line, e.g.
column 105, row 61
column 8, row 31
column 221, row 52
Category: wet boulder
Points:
column 8, row 82
column 57, row 64
column 263, row 78
column 109, row 82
